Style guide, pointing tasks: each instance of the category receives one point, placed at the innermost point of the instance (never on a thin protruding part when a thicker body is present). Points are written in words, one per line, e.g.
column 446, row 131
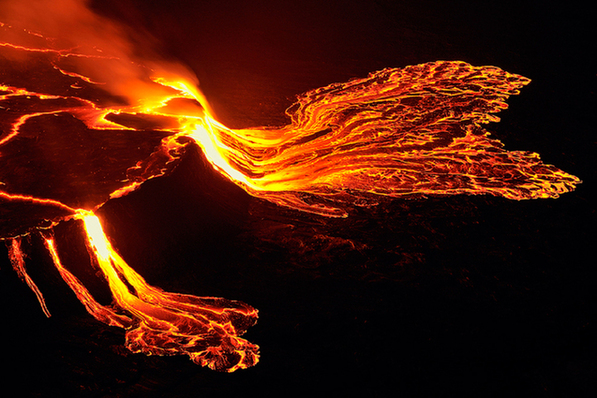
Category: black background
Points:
column 438, row 297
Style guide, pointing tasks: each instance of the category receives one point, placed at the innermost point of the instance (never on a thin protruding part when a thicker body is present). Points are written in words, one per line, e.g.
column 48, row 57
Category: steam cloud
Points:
column 122, row 59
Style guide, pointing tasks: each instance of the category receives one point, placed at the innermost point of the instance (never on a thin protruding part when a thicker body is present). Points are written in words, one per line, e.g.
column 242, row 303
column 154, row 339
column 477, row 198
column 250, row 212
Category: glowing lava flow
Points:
column 72, row 141
column 162, row 323
column 18, row 263
column 399, row 132
column 65, row 119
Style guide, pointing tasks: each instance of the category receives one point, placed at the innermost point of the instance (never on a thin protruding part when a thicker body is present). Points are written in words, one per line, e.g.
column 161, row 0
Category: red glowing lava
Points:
column 82, row 125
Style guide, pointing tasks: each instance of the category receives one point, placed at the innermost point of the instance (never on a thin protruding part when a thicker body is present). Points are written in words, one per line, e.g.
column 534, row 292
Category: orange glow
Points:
column 400, row 132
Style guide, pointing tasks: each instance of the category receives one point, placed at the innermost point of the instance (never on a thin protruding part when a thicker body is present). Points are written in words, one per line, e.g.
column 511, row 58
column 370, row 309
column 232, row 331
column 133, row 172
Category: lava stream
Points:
column 161, row 323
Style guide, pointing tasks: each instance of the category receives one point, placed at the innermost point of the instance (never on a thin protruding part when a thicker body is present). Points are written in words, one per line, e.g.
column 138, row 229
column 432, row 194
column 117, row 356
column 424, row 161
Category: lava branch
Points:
column 17, row 259
column 398, row 132
column 206, row 329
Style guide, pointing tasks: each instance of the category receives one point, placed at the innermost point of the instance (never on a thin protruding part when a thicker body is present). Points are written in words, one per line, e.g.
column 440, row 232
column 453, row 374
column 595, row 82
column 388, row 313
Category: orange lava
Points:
column 407, row 132
column 17, row 259
column 162, row 323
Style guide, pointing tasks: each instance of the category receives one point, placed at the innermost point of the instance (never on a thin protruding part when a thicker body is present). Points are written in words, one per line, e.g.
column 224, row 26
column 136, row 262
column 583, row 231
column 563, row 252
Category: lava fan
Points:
column 83, row 123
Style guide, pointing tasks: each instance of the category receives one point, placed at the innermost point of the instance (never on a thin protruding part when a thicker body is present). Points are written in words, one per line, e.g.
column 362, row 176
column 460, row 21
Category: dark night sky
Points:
column 448, row 296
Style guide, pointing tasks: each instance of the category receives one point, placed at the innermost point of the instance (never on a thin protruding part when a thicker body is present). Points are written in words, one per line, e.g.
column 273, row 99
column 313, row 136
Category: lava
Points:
column 82, row 126
column 162, row 323
column 17, row 259
column 405, row 132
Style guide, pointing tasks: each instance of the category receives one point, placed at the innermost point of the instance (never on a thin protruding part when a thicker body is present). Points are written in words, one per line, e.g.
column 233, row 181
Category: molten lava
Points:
column 82, row 126
column 162, row 323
